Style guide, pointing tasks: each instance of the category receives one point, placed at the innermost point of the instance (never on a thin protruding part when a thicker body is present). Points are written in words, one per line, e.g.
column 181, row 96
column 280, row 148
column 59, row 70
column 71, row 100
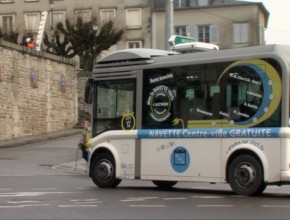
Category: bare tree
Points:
column 81, row 39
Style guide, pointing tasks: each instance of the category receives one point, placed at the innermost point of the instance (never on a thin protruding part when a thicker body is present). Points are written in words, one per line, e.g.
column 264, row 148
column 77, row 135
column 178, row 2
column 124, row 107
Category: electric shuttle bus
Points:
column 216, row 117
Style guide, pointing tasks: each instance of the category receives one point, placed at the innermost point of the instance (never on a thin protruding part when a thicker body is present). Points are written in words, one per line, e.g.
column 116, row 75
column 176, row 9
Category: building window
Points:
column 203, row 3
column 108, row 14
column 241, row 33
column 133, row 18
column 207, row 34
column 84, row 14
column 193, row 3
column 203, row 34
column 185, row 3
column 182, row 30
column 58, row 17
column 134, row 44
column 32, row 21
column 7, row 1
column 7, row 23
column 180, row 3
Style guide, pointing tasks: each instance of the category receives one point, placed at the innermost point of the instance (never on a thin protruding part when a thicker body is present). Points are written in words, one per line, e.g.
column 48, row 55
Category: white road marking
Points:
column 83, row 200
column 213, row 206
column 147, row 206
column 75, row 206
column 85, row 188
column 88, row 202
column 136, row 199
column 44, row 188
column 207, row 197
column 21, row 194
column 31, row 205
column 131, row 200
column 178, row 198
column 20, row 202
column 23, row 206
column 144, row 198
column 275, row 206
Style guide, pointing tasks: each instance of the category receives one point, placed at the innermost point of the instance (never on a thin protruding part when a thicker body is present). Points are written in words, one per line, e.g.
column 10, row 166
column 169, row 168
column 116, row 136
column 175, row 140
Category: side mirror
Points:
column 89, row 92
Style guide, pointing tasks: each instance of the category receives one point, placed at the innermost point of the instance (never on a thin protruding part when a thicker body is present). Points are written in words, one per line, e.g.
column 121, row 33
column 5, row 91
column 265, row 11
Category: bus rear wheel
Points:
column 246, row 176
column 104, row 171
column 162, row 184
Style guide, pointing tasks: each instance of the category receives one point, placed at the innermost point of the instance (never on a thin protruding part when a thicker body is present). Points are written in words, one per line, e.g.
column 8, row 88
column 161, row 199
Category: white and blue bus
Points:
column 216, row 117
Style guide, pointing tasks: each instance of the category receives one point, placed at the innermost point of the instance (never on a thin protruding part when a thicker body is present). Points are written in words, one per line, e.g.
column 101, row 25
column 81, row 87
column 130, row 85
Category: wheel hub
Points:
column 104, row 170
column 245, row 175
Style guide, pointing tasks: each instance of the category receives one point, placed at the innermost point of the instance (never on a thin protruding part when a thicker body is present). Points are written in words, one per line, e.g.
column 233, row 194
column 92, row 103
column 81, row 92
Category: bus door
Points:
column 114, row 105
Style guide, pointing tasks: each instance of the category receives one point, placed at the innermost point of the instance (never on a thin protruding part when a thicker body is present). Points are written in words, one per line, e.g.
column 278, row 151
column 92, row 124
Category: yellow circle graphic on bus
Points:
column 128, row 121
column 265, row 77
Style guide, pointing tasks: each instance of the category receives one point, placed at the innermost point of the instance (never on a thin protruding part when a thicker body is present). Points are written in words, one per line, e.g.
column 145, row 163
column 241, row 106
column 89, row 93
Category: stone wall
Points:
column 38, row 92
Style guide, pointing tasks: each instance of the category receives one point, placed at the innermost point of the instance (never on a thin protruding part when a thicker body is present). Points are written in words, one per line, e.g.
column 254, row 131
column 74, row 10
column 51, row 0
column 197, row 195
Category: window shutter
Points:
column 133, row 18
column 214, row 34
column 236, row 33
column 108, row 14
column 245, row 33
column 241, row 32
column 195, row 32
column 32, row 21
column 188, row 32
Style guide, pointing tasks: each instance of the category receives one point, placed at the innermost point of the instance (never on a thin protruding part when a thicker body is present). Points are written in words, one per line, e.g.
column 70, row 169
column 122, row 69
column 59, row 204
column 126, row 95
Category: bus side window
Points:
column 216, row 105
column 198, row 105
column 215, row 101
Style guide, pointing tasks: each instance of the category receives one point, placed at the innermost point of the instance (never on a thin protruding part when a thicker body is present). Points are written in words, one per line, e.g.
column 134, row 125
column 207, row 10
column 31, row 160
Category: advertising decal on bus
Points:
column 257, row 84
column 180, row 159
column 270, row 82
column 210, row 133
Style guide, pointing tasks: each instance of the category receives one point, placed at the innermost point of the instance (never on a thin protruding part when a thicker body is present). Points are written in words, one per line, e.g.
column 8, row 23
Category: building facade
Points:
column 226, row 23
column 24, row 16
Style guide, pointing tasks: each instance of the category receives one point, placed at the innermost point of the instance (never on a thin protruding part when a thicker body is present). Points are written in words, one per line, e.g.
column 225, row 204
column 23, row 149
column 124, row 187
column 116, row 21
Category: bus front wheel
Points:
column 104, row 171
column 164, row 184
column 246, row 175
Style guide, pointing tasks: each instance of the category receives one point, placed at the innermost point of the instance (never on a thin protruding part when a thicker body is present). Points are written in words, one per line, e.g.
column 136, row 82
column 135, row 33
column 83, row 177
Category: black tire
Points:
column 261, row 189
column 162, row 184
column 246, row 176
column 103, row 171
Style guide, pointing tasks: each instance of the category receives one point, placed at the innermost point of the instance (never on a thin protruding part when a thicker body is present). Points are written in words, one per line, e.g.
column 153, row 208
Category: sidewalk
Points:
column 79, row 166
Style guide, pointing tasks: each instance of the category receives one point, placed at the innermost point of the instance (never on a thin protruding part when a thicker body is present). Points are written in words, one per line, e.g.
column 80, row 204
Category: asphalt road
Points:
column 40, row 181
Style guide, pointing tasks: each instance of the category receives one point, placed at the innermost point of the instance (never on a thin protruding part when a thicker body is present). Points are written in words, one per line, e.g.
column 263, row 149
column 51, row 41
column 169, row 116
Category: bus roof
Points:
column 136, row 59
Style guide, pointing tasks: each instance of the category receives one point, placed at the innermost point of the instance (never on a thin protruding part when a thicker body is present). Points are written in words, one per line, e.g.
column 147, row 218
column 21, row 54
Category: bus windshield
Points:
column 114, row 99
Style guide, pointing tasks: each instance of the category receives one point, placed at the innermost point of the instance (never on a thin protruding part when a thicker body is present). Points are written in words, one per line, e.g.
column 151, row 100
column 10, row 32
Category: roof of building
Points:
column 160, row 5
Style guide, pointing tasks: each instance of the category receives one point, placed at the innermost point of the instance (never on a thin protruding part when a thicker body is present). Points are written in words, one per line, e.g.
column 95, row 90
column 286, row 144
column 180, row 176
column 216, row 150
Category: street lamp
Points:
column 51, row 13
column 51, row 2
column 169, row 22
